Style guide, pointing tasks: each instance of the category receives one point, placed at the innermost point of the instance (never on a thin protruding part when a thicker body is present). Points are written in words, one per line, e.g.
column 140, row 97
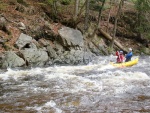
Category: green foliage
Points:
column 143, row 22
column 96, row 5
column 50, row 2
column 12, row 2
column 6, row 47
column 65, row 2
column 22, row 2
column 3, row 6
column 142, row 5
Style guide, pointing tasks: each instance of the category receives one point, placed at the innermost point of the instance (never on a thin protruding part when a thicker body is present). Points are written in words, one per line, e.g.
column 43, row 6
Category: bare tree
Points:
column 86, row 25
column 81, row 9
column 109, row 16
column 115, row 24
column 55, row 7
column 76, row 10
column 99, row 18
column 100, row 14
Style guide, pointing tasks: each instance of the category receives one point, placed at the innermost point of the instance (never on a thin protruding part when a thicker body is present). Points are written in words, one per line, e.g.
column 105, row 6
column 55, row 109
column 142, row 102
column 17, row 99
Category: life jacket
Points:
column 129, row 56
column 120, row 57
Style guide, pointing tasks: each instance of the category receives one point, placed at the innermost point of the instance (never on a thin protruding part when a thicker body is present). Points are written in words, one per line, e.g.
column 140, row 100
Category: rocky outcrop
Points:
column 71, row 37
column 68, row 48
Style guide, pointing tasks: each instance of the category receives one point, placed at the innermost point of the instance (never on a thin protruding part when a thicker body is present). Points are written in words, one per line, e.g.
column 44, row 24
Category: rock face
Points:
column 68, row 48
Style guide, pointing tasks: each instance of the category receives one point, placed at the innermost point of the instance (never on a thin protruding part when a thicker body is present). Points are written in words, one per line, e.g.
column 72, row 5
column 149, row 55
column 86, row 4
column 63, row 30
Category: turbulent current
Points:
column 94, row 88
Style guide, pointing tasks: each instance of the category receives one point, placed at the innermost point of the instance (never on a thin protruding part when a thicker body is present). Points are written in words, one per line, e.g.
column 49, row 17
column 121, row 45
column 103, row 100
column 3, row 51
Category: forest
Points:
column 108, row 14
column 123, row 23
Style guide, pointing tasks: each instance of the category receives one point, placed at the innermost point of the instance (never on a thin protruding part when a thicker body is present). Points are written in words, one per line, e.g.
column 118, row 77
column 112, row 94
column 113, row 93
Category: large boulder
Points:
column 71, row 37
column 25, row 41
column 35, row 57
column 72, row 41
column 12, row 60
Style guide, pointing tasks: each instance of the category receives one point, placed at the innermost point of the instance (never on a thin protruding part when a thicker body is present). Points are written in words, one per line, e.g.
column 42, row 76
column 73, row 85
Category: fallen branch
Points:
column 106, row 35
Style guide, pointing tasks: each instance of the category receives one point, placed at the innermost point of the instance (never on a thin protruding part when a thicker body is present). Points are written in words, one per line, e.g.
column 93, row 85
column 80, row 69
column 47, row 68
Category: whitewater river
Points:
column 94, row 88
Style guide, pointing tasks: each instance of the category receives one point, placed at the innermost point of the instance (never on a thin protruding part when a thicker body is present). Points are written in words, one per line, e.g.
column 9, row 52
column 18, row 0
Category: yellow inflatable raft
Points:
column 125, row 64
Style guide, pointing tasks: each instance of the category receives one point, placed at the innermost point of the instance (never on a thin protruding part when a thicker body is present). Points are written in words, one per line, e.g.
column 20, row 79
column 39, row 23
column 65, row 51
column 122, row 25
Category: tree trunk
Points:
column 99, row 19
column 115, row 25
column 99, row 15
column 107, row 30
column 55, row 7
column 76, row 10
column 81, row 9
column 86, row 25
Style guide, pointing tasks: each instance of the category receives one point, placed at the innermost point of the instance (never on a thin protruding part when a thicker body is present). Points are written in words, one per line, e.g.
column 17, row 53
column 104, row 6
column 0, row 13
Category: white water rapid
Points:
column 94, row 88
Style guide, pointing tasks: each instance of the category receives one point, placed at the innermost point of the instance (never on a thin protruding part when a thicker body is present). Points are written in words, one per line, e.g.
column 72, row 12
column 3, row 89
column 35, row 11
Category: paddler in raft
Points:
column 129, row 55
column 120, row 56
